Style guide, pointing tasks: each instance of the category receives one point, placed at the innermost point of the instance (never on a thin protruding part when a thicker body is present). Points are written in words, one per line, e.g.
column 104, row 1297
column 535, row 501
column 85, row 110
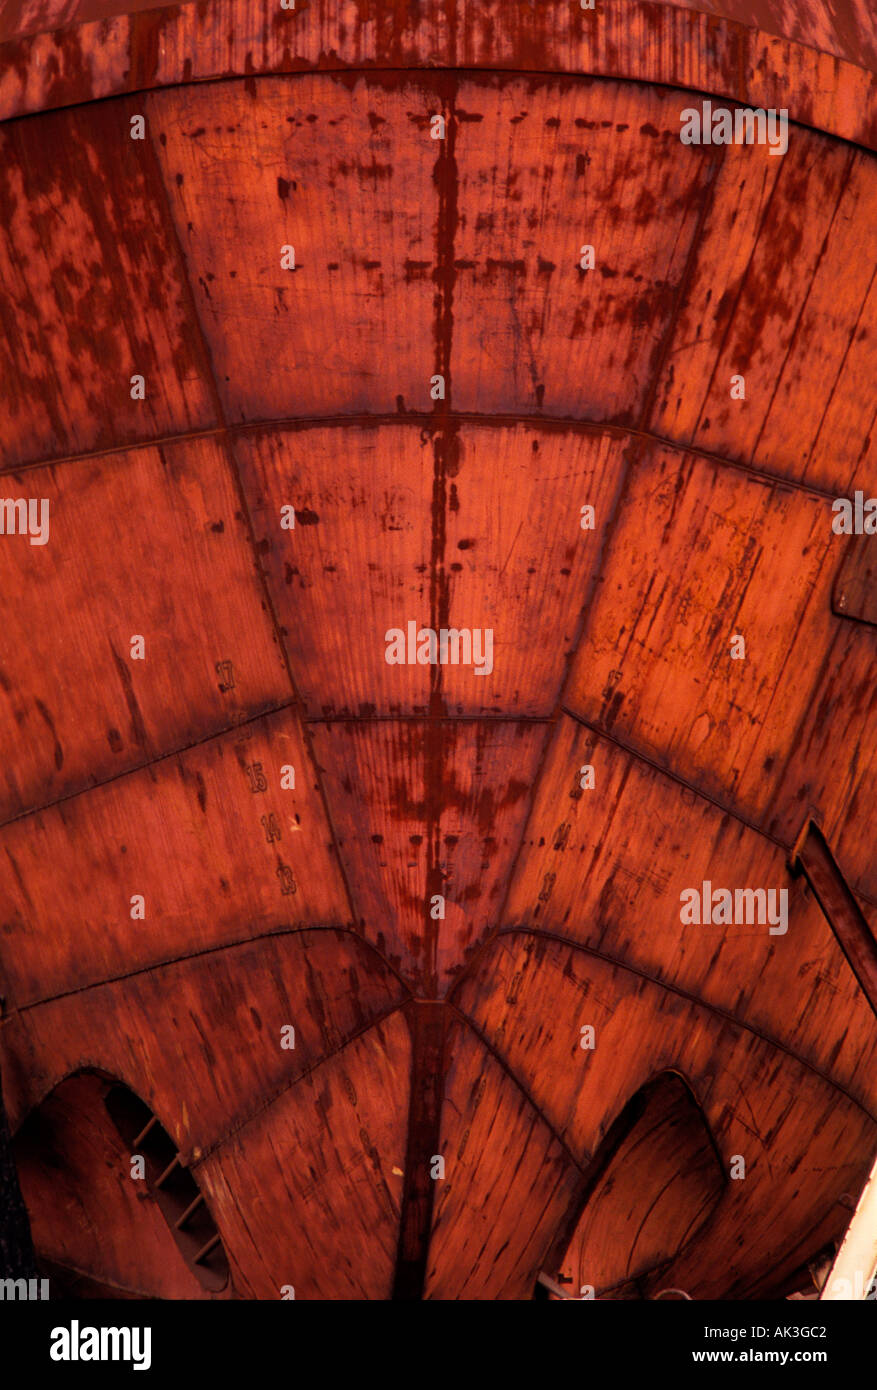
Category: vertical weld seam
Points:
column 427, row 1023
column 445, row 178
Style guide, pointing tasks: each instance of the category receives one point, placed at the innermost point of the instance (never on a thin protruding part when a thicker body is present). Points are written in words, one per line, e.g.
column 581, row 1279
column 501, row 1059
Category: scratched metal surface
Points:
column 418, row 1036
column 819, row 62
column 848, row 30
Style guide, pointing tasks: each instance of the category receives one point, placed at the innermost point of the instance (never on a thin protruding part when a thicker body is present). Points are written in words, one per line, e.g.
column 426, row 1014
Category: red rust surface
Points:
column 311, row 902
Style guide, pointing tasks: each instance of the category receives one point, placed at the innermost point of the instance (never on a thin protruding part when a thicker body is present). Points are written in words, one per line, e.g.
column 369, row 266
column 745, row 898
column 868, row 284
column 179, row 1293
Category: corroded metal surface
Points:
column 793, row 55
column 477, row 432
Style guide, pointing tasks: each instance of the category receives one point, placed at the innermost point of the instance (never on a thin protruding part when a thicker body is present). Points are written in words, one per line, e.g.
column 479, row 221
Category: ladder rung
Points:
column 205, row 1249
column 144, row 1131
column 174, row 1163
column 188, row 1212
